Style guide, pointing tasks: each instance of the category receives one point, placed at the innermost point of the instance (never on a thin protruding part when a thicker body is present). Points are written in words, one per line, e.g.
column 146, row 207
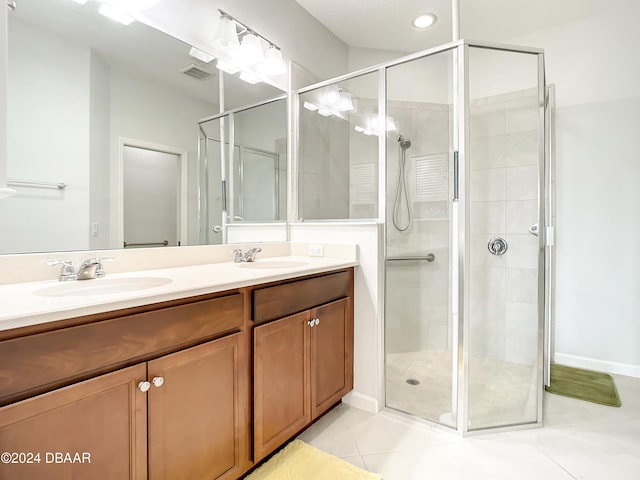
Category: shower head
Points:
column 404, row 142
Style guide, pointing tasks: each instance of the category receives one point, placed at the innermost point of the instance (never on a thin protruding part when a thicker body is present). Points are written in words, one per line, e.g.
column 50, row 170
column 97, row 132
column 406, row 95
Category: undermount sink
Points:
column 259, row 264
column 101, row 286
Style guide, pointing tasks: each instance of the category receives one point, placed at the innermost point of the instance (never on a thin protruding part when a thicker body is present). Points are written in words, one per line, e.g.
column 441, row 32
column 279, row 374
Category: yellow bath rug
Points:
column 299, row 461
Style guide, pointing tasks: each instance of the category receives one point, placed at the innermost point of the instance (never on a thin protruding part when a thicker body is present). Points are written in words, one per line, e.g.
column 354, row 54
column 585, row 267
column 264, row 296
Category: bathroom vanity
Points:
column 195, row 386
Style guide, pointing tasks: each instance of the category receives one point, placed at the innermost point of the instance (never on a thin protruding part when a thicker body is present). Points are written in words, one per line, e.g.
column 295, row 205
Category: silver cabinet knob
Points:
column 311, row 322
column 144, row 386
column 217, row 229
column 157, row 381
column 317, row 321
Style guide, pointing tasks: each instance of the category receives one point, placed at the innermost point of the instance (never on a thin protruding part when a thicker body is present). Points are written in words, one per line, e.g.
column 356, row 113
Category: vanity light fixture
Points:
column 242, row 46
column 250, row 49
column 200, row 55
column 273, row 64
column 225, row 36
column 249, row 78
column 310, row 106
column 227, row 67
column 424, row 20
column 324, row 113
column 345, row 103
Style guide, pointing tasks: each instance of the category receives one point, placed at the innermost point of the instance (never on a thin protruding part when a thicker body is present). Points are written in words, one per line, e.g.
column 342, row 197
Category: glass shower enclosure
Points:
column 458, row 182
column 465, row 252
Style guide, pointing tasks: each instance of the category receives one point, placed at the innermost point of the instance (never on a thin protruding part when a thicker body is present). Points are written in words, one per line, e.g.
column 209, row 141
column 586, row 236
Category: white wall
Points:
column 143, row 111
column 48, row 141
column 595, row 66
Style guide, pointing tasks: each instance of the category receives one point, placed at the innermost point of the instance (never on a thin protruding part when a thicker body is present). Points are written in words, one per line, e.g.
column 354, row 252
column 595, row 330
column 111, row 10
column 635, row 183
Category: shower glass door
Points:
column 503, row 328
column 419, row 337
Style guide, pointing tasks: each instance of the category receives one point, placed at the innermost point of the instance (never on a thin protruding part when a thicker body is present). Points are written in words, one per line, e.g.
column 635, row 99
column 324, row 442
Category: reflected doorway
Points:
column 153, row 208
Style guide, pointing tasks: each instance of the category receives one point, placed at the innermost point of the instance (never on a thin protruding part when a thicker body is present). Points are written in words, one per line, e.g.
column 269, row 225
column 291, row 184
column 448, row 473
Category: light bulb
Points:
column 273, row 64
column 251, row 49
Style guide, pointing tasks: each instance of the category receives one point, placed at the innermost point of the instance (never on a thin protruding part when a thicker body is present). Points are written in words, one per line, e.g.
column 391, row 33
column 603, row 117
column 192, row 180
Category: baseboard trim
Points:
column 597, row 365
column 361, row 401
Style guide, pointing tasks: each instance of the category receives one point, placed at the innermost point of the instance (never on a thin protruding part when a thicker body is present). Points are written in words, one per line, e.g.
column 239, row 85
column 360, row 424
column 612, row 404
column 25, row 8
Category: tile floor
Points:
column 580, row 440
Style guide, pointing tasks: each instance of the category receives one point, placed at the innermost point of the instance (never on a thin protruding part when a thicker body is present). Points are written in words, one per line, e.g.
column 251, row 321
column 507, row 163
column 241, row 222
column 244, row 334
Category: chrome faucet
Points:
column 248, row 256
column 89, row 269
column 68, row 271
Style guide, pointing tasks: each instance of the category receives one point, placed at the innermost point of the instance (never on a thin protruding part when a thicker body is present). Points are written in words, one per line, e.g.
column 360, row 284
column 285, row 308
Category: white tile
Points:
column 522, row 251
column 487, row 217
column 521, row 148
column 488, row 185
column 488, row 152
column 522, row 183
column 521, row 215
column 487, row 120
column 580, row 440
column 522, row 285
column 521, row 114
column 385, row 433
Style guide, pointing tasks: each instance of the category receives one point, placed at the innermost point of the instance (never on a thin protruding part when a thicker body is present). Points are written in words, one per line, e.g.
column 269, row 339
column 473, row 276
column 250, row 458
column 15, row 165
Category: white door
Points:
column 150, row 190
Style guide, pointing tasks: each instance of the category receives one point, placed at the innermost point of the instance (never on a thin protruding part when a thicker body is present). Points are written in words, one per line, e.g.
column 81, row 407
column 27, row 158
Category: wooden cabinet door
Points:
column 196, row 415
column 94, row 429
column 281, row 381
column 331, row 355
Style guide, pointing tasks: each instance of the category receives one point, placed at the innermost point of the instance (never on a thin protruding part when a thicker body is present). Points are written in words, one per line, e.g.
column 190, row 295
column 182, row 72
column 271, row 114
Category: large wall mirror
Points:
column 103, row 141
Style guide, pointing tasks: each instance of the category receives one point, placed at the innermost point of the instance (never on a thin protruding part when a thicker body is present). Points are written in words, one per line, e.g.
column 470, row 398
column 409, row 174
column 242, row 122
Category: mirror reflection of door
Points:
column 151, row 194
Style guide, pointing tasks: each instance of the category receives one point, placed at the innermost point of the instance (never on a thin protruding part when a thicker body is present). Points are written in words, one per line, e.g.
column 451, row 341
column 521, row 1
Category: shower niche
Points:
column 446, row 147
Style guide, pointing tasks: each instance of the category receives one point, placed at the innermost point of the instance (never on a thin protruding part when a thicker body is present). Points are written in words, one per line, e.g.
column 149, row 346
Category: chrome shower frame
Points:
column 459, row 301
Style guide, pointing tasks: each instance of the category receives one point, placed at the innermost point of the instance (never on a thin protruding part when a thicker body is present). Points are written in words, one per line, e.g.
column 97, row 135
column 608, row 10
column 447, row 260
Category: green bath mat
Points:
column 586, row 385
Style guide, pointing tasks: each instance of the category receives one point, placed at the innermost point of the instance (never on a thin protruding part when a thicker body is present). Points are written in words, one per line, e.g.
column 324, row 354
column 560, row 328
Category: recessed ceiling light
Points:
column 424, row 20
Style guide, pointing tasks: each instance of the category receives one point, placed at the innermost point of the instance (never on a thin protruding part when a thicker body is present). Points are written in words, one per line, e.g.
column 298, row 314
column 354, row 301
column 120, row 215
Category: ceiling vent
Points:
column 196, row 71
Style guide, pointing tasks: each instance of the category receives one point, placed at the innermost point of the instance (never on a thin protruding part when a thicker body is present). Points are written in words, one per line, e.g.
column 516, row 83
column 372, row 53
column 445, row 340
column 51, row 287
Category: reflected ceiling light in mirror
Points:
column 115, row 14
column 331, row 95
column 227, row 67
column 250, row 49
column 200, row 55
column 243, row 47
column 273, row 64
column 345, row 103
column 324, row 113
column 249, row 78
column 310, row 106
column 424, row 20
column 225, row 35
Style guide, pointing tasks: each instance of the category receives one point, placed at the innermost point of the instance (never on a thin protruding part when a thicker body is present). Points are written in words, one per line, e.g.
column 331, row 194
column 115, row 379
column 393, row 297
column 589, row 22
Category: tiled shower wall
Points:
column 503, row 203
column 417, row 300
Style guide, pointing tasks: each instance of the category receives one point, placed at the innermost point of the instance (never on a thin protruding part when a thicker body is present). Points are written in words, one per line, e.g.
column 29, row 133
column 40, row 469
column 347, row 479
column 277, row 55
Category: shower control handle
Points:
column 497, row 246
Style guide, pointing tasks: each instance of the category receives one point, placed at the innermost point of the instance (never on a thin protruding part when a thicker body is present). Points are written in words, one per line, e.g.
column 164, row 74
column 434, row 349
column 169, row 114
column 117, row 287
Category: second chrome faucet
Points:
column 89, row 269
column 248, row 256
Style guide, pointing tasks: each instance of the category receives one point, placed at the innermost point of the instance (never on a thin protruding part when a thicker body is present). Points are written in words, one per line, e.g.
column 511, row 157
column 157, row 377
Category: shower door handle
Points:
column 456, row 183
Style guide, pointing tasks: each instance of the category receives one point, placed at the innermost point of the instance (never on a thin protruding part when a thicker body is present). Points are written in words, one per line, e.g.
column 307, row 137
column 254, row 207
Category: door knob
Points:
column 144, row 386
column 157, row 381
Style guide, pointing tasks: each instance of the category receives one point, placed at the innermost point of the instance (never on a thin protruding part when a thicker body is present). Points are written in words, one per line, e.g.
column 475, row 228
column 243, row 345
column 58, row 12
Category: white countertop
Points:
column 23, row 304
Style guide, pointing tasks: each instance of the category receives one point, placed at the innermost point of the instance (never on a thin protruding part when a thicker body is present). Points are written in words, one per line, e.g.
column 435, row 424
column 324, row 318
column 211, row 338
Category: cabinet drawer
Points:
column 40, row 362
column 278, row 301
